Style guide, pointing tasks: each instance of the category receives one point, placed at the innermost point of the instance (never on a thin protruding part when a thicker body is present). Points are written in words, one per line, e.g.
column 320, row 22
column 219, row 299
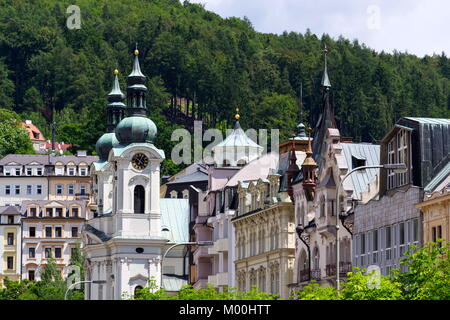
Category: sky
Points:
column 419, row 27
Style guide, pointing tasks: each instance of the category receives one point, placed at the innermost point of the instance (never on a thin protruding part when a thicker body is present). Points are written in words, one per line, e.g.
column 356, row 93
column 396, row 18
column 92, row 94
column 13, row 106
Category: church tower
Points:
column 123, row 243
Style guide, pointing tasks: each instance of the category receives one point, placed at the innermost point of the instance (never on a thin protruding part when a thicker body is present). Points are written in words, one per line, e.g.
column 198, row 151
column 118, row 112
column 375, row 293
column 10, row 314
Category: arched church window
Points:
column 139, row 199
column 137, row 290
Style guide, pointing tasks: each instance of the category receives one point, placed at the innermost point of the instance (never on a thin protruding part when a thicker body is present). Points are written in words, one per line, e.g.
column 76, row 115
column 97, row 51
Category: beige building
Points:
column 10, row 244
column 50, row 228
column 435, row 208
column 264, row 230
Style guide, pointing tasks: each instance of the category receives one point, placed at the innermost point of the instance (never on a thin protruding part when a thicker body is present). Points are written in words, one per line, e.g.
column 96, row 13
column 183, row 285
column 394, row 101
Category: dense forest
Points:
column 200, row 66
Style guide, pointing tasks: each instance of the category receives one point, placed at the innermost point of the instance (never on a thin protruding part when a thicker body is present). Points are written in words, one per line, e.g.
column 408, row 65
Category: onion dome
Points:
column 104, row 144
column 136, row 130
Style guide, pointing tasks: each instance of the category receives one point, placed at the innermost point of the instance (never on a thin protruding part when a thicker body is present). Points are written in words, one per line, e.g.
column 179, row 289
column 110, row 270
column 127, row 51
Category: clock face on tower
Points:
column 139, row 161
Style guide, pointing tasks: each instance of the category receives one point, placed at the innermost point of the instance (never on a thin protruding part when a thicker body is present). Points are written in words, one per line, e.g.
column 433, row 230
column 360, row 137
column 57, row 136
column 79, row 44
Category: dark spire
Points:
column 136, row 90
column 115, row 108
column 237, row 117
column 326, row 119
column 325, row 79
column 292, row 171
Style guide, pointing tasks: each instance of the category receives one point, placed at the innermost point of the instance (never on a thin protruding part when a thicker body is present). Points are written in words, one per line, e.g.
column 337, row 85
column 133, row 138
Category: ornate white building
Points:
column 125, row 239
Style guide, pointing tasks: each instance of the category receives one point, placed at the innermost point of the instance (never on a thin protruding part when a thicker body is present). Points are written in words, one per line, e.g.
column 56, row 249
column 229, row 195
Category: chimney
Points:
column 81, row 153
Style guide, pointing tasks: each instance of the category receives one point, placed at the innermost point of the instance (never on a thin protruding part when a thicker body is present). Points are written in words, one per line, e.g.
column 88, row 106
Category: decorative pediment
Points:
column 138, row 277
column 54, row 204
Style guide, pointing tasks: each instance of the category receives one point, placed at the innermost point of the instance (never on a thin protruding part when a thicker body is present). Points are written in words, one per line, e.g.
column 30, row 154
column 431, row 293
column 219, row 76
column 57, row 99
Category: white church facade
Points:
column 124, row 240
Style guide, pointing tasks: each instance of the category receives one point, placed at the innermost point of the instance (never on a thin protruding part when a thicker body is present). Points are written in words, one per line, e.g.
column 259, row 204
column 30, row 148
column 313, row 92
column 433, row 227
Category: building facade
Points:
column 50, row 229
column 388, row 224
column 10, row 243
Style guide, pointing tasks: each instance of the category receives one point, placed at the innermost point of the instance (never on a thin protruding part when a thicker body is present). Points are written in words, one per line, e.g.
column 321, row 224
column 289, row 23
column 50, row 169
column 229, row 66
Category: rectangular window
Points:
column 10, row 219
column 375, row 240
column 415, row 230
column 58, row 232
column 10, row 239
column 70, row 190
column 29, row 172
column 39, row 171
column 7, row 189
column 82, row 189
column 59, row 212
column 49, row 212
column 29, row 189
column 18, row 171
column 17, row 189
column 31, row 275
column 83, row 172
column 363, row 243
column 74, row 232
column 59, row 189
column 48, row 252
column 59, row 171
column 71, row 171
column 57, row 252
column 48, row 232
column 31, row 252
column 7, row 172
column 33, row 212
column 402, row 233
column 10, row 263
column 32, row 232
column 38, row 189
column 75, row 212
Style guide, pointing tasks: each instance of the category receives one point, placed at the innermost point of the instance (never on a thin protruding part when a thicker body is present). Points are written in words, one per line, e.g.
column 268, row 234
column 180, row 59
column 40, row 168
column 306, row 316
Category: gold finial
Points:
column 136, row 52
column 237, row 116
column 116, row 72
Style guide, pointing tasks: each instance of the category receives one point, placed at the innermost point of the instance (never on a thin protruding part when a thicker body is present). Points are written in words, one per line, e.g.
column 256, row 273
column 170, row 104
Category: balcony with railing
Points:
column 82, row 196
column 344, row 268
column 316, row 274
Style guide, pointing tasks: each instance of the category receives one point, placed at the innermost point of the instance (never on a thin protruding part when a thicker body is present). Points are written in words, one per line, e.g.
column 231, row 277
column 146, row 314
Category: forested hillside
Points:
column 211, row 65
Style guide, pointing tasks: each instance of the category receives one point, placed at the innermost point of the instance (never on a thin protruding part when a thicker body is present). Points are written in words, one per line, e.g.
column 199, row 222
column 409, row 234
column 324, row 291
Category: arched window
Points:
column 316, row 258
column 322, row 206
column 139, row 199
column 137, row 290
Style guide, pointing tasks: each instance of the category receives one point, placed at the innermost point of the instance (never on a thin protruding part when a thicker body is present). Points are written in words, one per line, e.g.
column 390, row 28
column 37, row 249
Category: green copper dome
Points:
column 136, row 130
column 104, row 144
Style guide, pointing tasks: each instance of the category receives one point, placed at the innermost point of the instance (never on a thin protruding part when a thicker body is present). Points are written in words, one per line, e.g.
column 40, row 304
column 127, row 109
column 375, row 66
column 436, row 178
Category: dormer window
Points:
column 7, row 171
column 83, row 171
column 358, row 162
column 71, row 171
column 398, row 152
column 18, row 171
column 29, row 171
column 39, row 171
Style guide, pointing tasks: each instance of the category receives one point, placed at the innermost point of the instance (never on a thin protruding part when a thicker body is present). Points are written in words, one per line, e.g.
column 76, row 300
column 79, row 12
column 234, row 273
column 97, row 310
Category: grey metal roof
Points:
column 193, row 177
column 238, row 138
column 10, row 210
column 438, row 178
column 369, row 152
column 430, row 120
column 175, row 217
column 99, row 234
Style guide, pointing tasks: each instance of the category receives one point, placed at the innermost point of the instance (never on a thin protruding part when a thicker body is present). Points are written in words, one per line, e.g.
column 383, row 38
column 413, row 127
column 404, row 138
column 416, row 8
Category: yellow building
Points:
column 435, row 208
column 10, row 243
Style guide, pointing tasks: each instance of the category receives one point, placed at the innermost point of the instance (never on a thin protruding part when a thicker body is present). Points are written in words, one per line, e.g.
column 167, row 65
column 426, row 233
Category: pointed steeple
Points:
column 136, row 90
column 326, row 119
column 325, row 79
column 115, row 111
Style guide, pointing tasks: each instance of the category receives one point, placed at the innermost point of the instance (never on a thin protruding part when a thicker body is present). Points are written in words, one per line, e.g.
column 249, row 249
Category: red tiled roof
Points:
column 33, row 132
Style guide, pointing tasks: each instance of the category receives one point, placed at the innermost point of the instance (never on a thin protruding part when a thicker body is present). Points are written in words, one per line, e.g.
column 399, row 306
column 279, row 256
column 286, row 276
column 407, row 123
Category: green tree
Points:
column 13, row 138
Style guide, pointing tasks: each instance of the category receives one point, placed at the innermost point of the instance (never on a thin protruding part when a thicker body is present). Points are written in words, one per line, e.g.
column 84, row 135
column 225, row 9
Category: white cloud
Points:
column 418, row 26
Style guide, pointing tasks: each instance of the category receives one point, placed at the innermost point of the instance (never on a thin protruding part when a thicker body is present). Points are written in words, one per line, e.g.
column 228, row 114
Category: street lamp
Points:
column 193, row 243
column 86, row 281
column 396, row 167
